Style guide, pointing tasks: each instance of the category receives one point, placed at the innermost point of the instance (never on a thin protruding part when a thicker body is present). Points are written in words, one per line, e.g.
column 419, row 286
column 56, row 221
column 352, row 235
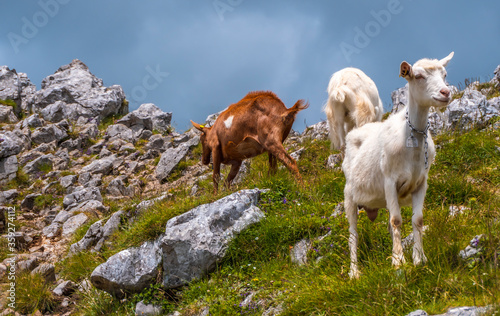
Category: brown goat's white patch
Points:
column 229, row 122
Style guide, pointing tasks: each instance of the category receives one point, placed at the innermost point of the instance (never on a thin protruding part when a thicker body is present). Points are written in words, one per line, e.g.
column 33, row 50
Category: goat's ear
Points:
column 198, row 126
column 447, row 59
column 405, row 70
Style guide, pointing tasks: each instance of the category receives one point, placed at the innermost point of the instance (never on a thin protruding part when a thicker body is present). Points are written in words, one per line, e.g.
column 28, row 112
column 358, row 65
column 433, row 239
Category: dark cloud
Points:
column 214, row 56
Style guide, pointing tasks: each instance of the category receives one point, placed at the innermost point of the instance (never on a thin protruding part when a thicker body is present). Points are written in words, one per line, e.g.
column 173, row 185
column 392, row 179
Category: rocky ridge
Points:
column 71, row 148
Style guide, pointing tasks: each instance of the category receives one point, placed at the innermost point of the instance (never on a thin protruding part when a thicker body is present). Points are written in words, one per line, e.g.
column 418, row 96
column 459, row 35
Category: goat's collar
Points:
column 412, row 142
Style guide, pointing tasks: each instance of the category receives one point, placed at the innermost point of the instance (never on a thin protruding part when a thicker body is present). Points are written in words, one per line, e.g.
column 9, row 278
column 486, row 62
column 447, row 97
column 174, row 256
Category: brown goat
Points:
column 258, row 123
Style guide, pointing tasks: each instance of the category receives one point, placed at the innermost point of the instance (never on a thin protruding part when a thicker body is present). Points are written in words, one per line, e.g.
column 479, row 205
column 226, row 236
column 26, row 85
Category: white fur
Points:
column 381, row 172
column 228, row 122
column 353, row 101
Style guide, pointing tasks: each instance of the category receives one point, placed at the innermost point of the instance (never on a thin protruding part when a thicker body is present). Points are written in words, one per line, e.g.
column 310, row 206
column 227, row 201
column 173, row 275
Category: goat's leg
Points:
column 272, row 164
column 276, row 149
column 351, row 211
column 216, row 156
column 340, row 128
column 417, row 220
column 391, row 197
column 235, row 167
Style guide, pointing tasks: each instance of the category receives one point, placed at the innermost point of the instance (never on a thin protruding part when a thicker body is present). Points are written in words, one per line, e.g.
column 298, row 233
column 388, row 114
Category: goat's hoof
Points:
column 419, row 260
column 398, row 261
column 354, row 274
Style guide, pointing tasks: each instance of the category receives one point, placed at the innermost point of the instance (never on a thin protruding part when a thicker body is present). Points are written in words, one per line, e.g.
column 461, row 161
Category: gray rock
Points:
column 73, row 93
column 156, row 142
column 130, row 270
column 7, row 114
column 8, row 196
column 17, row 87
column 81, row 194
column 210, row 120
column 318, row 131
column 135, row 119
column 117, row 188
column 89, row 131
column 46, row 147
column 22, row 240
column 28, row 264
column 47, row 134
column 72, row 144
column 418, row 312
column 497, row 74
column 56, row 111
column 47, row 270
column 40, row 164
column 28, row 203
column 53, row 230
column 8, row 169
column 299, row 252
column 97, row 234
column 90, row 207
column 399, row 99
column 243, row 172
column 171, row 158
column 120, row 131
column 473, row 249
column 68, row 181
column 73, row 223
column 466, row 311
column 103, row 166
column 93, row 234
column 32, row 121
column 196, row 240
column 148, row 309
column 472, row 109
column 334, row 161
column 296, row 154
column 13, row 142
column 62, row 216
column 65, row 288
column 457, row 311
column 148, row 203
column 161, row 120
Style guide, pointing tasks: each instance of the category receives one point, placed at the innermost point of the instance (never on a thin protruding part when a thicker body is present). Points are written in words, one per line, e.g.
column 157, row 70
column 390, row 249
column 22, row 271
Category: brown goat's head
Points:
column 207, row 150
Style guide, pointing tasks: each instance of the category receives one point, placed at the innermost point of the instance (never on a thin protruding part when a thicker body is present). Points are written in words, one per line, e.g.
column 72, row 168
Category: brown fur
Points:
column 260, row 123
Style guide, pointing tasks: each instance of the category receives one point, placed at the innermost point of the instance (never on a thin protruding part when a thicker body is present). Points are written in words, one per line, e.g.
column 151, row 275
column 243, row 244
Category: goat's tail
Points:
column 289, row 115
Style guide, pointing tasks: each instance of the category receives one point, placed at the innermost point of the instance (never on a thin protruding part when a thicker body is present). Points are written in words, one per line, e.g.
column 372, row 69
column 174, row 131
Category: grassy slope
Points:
column 465, row 173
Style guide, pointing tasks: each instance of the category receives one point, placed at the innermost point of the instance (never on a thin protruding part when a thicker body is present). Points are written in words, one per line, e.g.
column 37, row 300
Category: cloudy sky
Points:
column 194, row 58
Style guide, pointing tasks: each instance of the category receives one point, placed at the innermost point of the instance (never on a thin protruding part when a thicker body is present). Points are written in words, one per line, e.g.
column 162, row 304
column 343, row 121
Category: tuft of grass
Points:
column 492, row 89
column 21, row 181
column 9, row 102
column 33, row 293
column 96, row 303
column 79, row 266
column 43, row 201
column 109, row 120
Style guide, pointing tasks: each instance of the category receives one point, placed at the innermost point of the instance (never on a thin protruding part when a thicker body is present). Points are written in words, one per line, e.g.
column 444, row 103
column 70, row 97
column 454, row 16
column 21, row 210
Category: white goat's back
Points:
column 353, row 101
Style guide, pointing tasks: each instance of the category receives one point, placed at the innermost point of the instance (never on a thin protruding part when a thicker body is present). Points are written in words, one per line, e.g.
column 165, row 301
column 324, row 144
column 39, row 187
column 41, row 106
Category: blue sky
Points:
column 194, row 58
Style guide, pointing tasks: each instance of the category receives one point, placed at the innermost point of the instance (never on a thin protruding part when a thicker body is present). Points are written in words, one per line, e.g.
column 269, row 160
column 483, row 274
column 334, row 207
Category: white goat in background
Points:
column 387, row 163
column 353, row 101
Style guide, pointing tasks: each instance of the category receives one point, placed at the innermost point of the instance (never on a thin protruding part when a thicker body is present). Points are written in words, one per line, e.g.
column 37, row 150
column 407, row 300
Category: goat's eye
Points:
column 419, row 76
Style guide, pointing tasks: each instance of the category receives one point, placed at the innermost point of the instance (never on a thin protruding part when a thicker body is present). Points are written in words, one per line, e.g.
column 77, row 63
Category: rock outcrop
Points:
column 191, row 246
column 74, row 93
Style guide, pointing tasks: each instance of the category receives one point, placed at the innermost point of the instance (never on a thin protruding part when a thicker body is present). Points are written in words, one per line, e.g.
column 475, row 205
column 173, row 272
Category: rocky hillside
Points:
column 103, row 210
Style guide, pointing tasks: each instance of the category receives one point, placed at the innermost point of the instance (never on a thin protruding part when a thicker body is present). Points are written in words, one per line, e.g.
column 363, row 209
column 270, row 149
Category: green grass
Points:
column 33, row 293
column 465, row 172
column 8, row 102
column 43, row 201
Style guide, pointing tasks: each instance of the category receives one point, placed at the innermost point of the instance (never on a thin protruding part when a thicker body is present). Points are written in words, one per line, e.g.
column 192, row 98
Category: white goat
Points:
column 387, row 163
column 353, row 101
